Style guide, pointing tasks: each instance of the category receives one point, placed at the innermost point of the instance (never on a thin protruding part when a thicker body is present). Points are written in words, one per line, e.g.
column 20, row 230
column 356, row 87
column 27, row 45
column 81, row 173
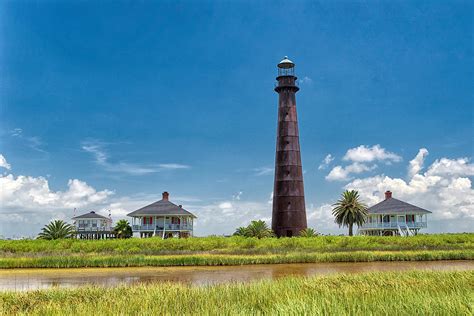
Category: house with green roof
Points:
column 393, row 217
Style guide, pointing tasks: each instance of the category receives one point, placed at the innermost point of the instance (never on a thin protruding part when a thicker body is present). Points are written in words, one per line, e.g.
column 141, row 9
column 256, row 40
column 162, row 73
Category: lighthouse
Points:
column 289, row 212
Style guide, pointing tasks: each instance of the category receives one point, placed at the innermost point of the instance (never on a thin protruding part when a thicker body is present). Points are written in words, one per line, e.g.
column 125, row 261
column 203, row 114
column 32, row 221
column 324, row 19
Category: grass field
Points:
column 394, row 293
column 101, row 260
column 230, row 251
column 236, row 245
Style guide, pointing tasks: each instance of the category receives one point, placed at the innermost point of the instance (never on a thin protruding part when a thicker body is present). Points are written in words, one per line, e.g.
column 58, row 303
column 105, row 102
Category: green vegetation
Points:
column 234, row 245
column 308, row 232
column 258, row 229
column 57, row 230
column 393, row 293
column 234, row 250
column 123, row 229
column 349, row 210
column 104, row 261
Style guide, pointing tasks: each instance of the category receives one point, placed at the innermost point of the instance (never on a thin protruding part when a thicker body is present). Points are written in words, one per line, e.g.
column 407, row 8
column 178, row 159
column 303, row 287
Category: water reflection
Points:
column 31, row 279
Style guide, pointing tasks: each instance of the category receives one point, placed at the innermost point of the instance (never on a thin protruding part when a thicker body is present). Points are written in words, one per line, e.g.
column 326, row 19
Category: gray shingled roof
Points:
column 162, row 207
column 91, row 214
column 392, row 205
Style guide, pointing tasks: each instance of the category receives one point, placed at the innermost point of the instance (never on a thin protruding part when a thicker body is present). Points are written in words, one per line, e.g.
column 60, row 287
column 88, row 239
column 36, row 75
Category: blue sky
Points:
column 123, row 100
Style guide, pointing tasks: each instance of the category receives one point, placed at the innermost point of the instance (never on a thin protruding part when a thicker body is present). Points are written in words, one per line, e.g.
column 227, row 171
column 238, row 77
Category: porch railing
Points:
column 395, row 225
column 162, row 227
column 92, row 229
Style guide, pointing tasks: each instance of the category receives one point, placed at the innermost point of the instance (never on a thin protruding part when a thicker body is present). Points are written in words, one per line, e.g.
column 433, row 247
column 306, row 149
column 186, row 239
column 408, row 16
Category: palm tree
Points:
column 308, row 232
column 241, row 231
column 57, row 229
column 349, row 210
column 259, row 229
column 123, row 229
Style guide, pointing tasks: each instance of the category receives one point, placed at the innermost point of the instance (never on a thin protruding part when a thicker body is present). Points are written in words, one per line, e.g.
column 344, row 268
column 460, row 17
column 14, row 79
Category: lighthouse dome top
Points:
column 286, row 63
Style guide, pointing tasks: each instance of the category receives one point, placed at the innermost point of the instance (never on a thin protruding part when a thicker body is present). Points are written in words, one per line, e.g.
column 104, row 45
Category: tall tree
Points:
column 123, row 229
column 57, row 229
column 349, row 210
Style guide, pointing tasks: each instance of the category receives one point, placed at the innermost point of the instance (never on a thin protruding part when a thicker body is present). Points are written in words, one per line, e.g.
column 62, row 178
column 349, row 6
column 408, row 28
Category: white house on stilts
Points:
column 93, row 226
column 162, row 219
column 393, row 217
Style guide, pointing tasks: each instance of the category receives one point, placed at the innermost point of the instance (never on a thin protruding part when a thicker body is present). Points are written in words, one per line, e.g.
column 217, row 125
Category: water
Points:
column 32, row 279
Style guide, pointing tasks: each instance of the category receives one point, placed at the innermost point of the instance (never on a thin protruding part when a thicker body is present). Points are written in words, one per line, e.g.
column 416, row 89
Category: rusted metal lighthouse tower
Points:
column 289, row 212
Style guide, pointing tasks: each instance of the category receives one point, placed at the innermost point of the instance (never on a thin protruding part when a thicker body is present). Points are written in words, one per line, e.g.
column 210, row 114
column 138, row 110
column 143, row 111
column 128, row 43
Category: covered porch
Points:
column 393, row 224
column 162, row 226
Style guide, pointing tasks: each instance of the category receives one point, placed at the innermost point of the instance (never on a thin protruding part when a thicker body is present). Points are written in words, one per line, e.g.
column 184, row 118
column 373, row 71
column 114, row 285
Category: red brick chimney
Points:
column 388, row 195
column 166, row 196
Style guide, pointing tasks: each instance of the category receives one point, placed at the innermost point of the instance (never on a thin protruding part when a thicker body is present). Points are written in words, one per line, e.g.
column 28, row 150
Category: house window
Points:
column 147, row 220
column 175, row 220
column 410, row 218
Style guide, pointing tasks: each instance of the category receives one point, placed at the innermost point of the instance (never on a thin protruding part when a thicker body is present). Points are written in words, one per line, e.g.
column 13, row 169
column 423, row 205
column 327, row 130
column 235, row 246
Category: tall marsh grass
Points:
column 235, row 245
column 103, row 260
column 393, row 293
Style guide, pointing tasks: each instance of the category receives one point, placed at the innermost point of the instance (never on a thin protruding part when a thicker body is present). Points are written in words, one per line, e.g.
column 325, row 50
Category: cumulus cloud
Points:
column 416, row 164
column 25, row 192
column 27, row 203
column 326, row 161
column 96, row 148
column 445, row 188
column 223, row 217
column 451, row 167
column 321, row 218
column 339, row 173
column 365, row 153
column 4, row 163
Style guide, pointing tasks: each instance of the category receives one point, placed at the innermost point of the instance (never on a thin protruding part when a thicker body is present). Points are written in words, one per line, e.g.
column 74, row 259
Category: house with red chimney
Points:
column 393, row 217
column 162, row 219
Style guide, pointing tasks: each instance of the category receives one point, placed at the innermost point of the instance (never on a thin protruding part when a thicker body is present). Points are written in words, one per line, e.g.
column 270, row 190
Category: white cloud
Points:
column 364, row 153
column 16, row 132
column 263, row 171
column 444, row 189
column 326, row 161
column 225, row 205
column 339, row 173
column 270, row 198
column 102, row 159
column 451, row 167
column 171, row 166
column 225, row 216
column 416, row 164
column 28, row 203
column 32, row 192
column 4, row 163
column 238, row 196
column 33, row 142
column 306, row 80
